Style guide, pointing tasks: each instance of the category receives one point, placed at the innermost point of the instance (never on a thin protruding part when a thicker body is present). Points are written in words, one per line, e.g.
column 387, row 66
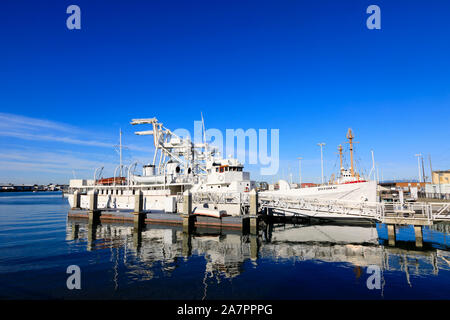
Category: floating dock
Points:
column 230, row 222
column 392, row 214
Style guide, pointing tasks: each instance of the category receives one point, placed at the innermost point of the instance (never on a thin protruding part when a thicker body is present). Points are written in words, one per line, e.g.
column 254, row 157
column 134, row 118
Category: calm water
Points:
column 38, row 242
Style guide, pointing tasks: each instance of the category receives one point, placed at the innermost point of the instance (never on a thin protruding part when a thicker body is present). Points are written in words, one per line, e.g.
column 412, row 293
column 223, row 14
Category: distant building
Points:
column 441, row 177
column 309, row 185
column 400, row 190
column 440, row 186
column 403, row 185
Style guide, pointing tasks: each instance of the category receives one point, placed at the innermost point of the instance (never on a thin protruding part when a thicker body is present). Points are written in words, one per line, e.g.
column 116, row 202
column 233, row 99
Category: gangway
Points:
column 417, row 213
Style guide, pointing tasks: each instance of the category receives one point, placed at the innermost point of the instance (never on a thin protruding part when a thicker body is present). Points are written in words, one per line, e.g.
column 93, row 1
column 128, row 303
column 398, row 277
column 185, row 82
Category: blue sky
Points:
column 308, row 68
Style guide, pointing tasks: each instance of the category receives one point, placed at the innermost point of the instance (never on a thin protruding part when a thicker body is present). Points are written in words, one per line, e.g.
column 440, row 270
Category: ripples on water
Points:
column 38, row 242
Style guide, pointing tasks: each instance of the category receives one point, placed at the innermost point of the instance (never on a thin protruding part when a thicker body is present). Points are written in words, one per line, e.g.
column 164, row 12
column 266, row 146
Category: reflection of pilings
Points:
column 75, row 231
column 253, row 212
column 254, row 247
column 404, row 258
column 434, row 263
column 137, row 237
column 91, row 234
column 441, row 227
column 419, row 236
column 186, row 245
column 391, row 234
column 386, row 259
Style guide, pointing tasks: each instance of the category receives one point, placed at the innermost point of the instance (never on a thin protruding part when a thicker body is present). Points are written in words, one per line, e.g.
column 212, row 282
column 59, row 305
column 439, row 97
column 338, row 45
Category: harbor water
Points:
column 38, row 242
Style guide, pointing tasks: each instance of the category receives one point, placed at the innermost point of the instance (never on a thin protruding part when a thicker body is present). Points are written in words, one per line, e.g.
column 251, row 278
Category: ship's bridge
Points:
column 227, row 174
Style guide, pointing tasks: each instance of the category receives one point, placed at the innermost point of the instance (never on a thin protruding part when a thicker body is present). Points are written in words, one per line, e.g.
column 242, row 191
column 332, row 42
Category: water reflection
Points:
column 164, row 248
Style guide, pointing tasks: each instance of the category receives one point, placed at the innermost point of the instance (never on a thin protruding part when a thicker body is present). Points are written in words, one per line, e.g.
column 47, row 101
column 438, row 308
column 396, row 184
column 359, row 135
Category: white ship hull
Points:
column 358, row 192
column 153, row 201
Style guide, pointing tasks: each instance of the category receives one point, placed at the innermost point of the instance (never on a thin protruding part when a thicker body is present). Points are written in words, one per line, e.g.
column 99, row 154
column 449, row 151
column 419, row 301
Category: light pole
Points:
column 321, row 144
column 418, row 164
column 300, row 169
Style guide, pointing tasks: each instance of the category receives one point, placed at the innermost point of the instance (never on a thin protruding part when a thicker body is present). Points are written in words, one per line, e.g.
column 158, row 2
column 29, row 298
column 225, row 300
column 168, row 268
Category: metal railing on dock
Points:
column 422, row 212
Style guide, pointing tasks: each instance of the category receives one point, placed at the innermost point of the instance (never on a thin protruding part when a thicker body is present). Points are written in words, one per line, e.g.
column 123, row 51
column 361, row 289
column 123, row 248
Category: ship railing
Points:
column 216, row 198
column 440, row 211
column 364, row 209
column 344, row 207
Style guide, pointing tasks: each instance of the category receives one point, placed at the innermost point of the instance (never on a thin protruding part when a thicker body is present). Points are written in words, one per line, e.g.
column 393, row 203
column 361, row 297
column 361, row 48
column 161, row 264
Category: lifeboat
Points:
column 209, row 212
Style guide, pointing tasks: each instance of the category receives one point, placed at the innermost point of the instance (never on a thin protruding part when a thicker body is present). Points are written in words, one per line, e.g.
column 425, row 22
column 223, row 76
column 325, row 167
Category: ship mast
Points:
column 340, row 157
column 350, row 138
column 120, row 148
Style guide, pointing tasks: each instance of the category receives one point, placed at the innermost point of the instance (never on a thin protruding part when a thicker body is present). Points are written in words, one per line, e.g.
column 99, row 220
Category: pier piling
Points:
column 76, row 200
column 94, row 213
column 138, row 213
column 253, row 210
column 75, row 231
column 188, row 218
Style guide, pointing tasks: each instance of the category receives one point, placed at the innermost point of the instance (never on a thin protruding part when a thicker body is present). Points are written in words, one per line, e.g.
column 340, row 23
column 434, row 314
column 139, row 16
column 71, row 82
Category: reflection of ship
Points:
column 165, row 248
column 350, row 185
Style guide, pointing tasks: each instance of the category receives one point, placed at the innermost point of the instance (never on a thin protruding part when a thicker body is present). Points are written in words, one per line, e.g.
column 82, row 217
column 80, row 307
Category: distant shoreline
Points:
column 31, row 191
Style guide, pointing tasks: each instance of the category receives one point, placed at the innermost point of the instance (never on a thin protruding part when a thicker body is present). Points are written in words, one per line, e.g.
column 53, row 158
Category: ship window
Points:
column 221, row 169
column 217, row 169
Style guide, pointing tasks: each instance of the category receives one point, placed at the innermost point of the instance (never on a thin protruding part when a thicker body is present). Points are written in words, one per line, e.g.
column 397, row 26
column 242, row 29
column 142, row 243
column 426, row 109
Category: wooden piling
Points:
column 94, row 213
column 188, row 218
column 76, row 200
column 138, row 212
column 253, row 211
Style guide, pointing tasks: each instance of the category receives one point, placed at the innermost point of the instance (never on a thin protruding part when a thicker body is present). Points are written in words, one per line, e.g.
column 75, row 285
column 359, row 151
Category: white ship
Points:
column 219, row 186
column 178, row 165
column 349, row 186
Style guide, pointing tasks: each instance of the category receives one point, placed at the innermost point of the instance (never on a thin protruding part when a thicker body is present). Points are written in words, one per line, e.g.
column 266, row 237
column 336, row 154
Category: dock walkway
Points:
column 415, row 213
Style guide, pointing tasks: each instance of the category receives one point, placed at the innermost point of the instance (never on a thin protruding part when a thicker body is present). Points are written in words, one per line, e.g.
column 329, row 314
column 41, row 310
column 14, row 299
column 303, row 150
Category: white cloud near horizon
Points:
column 34, row 129
column 59, row 157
